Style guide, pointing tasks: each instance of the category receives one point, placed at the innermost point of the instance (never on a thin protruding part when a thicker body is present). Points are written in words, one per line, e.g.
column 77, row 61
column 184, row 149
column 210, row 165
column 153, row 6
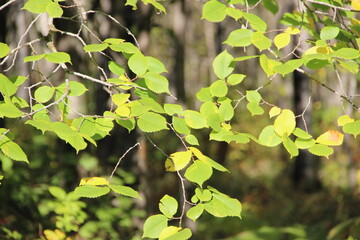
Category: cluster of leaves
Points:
column 135, row 102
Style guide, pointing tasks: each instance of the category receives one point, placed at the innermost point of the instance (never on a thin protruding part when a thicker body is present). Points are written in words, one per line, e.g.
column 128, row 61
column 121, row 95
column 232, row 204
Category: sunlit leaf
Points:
column 58, row 57
column 90, row 191
column 168, row 206
column 194, row 119
column 4, row 49
column 154, row 225
column 125, row 190
column 321, row 150
column 285, row 123
column 282, row 40
column 95, row 181
column 222, row 205
column 222, row 65
column 239, row 38
column 151, row 122
column 214, row 11
column 268, row 137
column 181, row 159
column 138, row 64
column 198, row 172
column 331, row 138
column 13, row 151
column 195, row 212
column 344, row 119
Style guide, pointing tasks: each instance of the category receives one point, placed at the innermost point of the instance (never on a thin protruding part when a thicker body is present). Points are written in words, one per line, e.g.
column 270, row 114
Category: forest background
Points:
column 285, row 192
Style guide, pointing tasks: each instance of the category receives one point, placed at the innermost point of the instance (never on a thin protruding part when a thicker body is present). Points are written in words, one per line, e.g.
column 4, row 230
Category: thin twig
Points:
column 118, row 162
column 7, row 4
column 331, row 6
column 53, row 103
column 21, row 38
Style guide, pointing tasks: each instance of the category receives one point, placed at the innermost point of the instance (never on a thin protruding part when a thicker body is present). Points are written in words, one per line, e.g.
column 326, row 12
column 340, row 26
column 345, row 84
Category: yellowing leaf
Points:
column 95, row 181
column 355, row 4
column 179, row 159
column 344, row 119
column 274, row 111
column 331, row 138
column 169, row 165
column 282, row 40
column 168, row 232
column 197, row 153
column 285, row 123
column 292, row 30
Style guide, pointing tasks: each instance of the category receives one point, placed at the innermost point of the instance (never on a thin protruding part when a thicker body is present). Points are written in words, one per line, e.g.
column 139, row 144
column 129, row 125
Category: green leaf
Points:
column 19, row 102
column 198, row 172
column 274, row 111
column 17, row 80
column 172, row 109
column 75, row 88
column 204, row 94
column 131, row 3
column 125, row 47
column 268, row 137
column 195, row 119
column 168, row 206
column 285, row 123
column 329, row 32
column 268, row 64
column 301, row 133
column 180, row 125
column 191, row 139
column 195, row 212
column 223, row 206
column 255, row 108
column 352, row 128
column 175, row 233
column 253, row 96
column 255, row 21
column 218, row 88
column 115, row 68
column 10, row 111
column 214, row 164
column 156, row 82
column 235, row 79
column 155, row 65
column 13, row 151
column 151, row 122
column 91, row 191
column 226, row 110
column 289, row 66
column 34, row 58
column 57, row 192
column 291, row 147
column 44, row 94
column 236, row 14
column 4, row 49
column 36, row 6
column 124, row 190
column 6, row 86
column 222, row 64
column 96, row 47
column 321, row 150
column 154, row 225
column 260, row 41
column 271, row 5
column 239, row 38
column 54, row 10
column 138, row 64
column 347, row 53
column 58, row 57
column 282, row 40
column 157, row 5
column 204, row 195
column 304, row 143
column 214, row 11
column 152, row 104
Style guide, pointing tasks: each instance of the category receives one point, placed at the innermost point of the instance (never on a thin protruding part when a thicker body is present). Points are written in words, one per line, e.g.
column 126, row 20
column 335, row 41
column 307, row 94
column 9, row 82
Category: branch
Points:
column 7, row 4
column 127, row 151
column 53, row 103
column 329, row 88
column 332, row 6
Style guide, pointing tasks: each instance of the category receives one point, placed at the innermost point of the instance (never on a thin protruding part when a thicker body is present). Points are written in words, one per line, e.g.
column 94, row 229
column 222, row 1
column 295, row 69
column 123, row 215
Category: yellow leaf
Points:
column 292, row 30
column 285, row 123
column 180, row 159
column 123, row 111
column 169, row 165
column 54, row 235
column 344, row 119
column 168, row 232
column 197, row 153
column 274, row 111
column 355, row 4
column 95, row 181
column 331, row 138
column 282, row 40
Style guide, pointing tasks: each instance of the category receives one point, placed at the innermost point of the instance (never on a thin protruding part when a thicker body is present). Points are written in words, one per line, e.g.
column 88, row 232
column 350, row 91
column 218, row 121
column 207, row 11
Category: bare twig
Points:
column 331, row 6
column 7, row 4
column 118, row 162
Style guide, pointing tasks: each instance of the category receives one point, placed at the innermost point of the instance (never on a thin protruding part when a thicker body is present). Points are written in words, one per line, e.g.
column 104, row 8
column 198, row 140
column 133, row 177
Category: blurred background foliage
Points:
column 275, row 204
